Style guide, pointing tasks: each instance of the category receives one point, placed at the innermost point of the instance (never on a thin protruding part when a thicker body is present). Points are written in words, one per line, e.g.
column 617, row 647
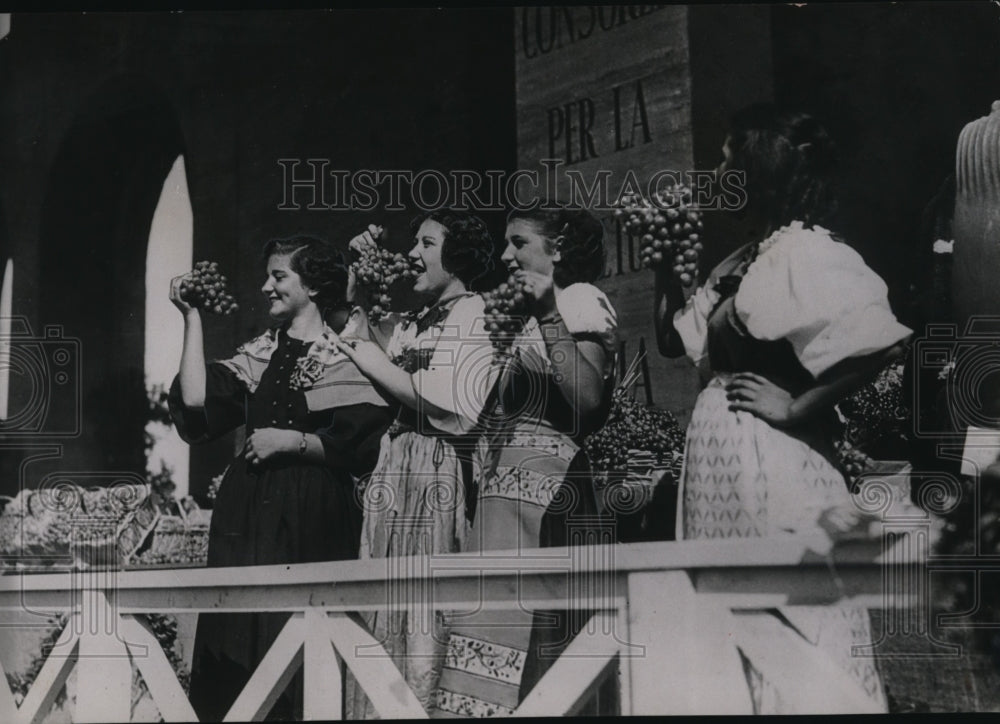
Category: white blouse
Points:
column 808, row 288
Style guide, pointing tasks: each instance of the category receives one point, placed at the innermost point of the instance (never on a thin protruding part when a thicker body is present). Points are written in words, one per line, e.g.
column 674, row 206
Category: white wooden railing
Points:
column 662, row 618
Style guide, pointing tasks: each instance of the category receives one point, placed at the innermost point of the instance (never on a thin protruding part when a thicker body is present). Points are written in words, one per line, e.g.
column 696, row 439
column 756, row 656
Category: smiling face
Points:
column 425, row 256
column 284, row 288
column 528, row 248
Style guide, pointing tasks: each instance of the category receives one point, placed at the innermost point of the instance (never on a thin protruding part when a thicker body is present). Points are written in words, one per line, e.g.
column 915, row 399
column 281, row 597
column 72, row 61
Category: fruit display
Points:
column 92, row 526
column 506, row 312
column 375, row 270
column 635, row 433
column 875, row 421
column 206, row 289
column 177, row 542
column 669, row 231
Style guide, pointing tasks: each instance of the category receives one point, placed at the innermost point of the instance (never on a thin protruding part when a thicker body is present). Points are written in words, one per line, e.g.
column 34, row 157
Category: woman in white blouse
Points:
column 439, row 365
column 782, row 330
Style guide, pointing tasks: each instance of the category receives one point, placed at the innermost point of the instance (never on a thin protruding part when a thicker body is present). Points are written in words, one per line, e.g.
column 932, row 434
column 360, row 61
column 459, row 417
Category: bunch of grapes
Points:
column 506, row 312
column 206, row 289
column 632, row 426
column 876, row 418
column 669, row 231
column 374, row 271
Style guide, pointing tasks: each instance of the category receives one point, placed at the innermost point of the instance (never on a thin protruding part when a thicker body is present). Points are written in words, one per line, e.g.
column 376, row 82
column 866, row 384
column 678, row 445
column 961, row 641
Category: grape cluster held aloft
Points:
column 506, row 312
column 205, row 289
column 374, row 271
column 669, row 231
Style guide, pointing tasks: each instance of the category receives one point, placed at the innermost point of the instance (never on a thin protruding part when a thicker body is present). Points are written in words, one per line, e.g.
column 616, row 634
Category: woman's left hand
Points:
column 269, row 442
column 761, row 397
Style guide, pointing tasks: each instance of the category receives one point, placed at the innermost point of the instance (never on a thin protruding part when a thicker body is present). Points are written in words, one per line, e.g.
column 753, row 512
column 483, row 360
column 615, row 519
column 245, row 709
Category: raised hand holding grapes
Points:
column 507, row 308
column 177, row 298
column 539, row 291
column 204, row 288
column 373, row 272
column 669, row 231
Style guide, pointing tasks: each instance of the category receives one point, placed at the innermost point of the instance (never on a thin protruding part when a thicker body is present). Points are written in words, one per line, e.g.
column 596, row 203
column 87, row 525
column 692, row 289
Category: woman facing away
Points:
column 439, row 366
column 533, row 481
column 782, row 330
column 312, row 429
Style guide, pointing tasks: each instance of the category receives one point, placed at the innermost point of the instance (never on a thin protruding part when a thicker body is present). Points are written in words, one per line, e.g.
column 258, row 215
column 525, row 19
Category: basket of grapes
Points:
column 637, row 458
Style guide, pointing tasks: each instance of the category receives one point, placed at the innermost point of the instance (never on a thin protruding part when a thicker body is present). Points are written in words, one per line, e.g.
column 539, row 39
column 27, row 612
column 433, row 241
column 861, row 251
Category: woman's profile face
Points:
column 425, row 256
column 528, row 249
column 284, row 288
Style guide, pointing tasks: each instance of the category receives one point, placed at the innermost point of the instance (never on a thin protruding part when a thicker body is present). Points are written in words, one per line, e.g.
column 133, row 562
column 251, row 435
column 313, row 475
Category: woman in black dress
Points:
column 313, row 425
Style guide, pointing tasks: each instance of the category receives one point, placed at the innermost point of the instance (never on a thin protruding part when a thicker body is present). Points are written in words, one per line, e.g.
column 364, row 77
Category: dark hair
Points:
column 789, row 160
column 581, row 252
column 467, row 251
column 320, row 264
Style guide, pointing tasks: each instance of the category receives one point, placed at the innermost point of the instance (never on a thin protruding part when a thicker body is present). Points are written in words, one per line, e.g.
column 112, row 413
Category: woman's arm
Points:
column 192, row 369
column 755, row 394
column 270, row 442
column 579, row 367
column 376, row 366
column 841, row 380
column 668, row 298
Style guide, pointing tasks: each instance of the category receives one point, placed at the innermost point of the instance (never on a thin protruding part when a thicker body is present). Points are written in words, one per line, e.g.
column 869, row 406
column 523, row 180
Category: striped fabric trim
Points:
column 469, row 706
column 483, row 658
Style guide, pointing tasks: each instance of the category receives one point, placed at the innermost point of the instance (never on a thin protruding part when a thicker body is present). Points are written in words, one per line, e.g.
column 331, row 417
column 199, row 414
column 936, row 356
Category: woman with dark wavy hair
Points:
column 313, row 424
column 782, row 330
column 439, row 366
column 533, row 480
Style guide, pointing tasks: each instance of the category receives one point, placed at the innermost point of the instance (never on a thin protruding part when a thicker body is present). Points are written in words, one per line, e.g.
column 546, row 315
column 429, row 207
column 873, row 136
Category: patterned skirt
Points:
column 519, row 477
column 414, row 505
column 744, row 478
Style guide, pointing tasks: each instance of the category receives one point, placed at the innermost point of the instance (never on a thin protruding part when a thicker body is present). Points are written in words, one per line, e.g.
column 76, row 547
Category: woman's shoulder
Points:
column 469, row 304
column 808, row 251
column 585, row 308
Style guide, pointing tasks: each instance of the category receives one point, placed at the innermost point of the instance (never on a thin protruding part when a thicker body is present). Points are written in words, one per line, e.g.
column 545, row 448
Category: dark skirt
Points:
column 282, row 514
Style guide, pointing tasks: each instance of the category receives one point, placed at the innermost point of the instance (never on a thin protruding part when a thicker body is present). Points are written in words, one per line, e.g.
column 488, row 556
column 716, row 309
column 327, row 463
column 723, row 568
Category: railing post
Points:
column 104, row 670
column 689, row 665
column 323, row 695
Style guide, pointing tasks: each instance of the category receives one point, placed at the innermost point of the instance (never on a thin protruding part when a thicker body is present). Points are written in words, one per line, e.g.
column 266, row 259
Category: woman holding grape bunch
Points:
column 784, row 328
column 313, row 424
column 438, row 365
column 554, row 389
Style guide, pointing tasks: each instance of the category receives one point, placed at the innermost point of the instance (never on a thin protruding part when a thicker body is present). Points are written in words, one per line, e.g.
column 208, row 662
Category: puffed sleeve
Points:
column 225, row 395
column 691, row 322
column 351, row 440
column 588, row 314
column 587, row 311
column 462, row 370
column 820, row 295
